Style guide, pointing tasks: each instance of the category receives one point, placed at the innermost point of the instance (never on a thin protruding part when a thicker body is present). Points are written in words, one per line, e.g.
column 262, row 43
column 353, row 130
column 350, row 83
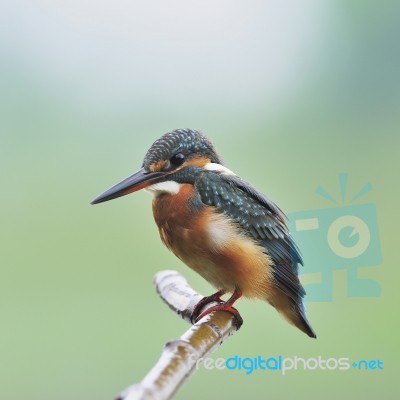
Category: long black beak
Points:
column 139, row 180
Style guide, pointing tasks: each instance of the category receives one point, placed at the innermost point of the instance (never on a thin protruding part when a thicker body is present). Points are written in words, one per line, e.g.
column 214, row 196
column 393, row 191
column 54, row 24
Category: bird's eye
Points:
column 177, row 159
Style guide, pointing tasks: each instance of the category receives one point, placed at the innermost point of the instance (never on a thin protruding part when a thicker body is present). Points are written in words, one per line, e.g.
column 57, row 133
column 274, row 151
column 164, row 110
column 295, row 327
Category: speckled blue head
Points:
column 188, row 142
column 165, row 161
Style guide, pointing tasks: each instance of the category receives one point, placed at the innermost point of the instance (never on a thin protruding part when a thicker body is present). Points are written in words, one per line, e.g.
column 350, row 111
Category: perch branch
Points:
column 180, row 357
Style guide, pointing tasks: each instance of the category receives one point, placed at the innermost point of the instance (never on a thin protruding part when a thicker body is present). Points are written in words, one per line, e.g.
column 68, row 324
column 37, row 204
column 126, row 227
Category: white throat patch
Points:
column 169, row 187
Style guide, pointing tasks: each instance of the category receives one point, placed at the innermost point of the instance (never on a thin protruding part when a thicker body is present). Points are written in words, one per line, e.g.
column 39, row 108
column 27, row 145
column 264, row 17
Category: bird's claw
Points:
column 198, row 308
column 223, row 307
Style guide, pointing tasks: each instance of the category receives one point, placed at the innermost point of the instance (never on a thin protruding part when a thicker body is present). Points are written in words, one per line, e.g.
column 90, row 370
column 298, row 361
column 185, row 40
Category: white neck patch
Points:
column 218, row 168
column 169, row 187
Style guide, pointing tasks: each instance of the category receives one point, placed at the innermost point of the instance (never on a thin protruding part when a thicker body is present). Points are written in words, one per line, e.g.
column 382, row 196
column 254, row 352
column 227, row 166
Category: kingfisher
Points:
column 219, row 225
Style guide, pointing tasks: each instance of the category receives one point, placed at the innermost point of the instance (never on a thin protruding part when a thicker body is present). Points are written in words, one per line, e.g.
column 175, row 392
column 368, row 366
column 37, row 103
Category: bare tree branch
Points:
column 180, row 357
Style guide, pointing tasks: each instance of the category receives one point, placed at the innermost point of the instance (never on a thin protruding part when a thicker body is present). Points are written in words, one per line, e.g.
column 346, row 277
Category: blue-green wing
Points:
column 261, row 219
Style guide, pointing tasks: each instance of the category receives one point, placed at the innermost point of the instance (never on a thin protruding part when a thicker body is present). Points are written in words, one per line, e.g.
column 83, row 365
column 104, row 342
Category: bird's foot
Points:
column 197, row 315
column 222, row 307
column 216, row 297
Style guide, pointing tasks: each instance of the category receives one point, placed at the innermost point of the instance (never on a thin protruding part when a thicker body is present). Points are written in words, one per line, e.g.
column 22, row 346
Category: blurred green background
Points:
column 291, row 92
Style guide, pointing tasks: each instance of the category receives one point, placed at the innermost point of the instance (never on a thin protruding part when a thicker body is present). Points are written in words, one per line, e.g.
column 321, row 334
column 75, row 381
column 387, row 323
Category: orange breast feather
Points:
column 212, row 244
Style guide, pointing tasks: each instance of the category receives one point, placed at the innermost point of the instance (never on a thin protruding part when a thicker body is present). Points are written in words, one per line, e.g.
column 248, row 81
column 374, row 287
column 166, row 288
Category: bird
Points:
column 219, row 225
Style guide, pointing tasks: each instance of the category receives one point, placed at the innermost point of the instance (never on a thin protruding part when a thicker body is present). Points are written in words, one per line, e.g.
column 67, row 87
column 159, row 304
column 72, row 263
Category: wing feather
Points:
column 260, row 218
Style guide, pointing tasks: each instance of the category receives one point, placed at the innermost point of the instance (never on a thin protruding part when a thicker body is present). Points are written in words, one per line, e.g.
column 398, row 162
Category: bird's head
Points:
column 172, row 153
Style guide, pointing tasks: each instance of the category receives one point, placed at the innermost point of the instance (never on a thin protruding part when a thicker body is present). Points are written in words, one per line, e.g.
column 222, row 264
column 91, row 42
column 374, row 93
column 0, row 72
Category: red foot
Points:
column 226, row 306
column 204, row 301
column 223, row 307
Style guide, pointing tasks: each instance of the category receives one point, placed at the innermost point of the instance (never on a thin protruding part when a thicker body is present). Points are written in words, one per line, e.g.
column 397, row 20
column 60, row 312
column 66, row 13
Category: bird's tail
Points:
column 298, row 318
column 295, row 313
